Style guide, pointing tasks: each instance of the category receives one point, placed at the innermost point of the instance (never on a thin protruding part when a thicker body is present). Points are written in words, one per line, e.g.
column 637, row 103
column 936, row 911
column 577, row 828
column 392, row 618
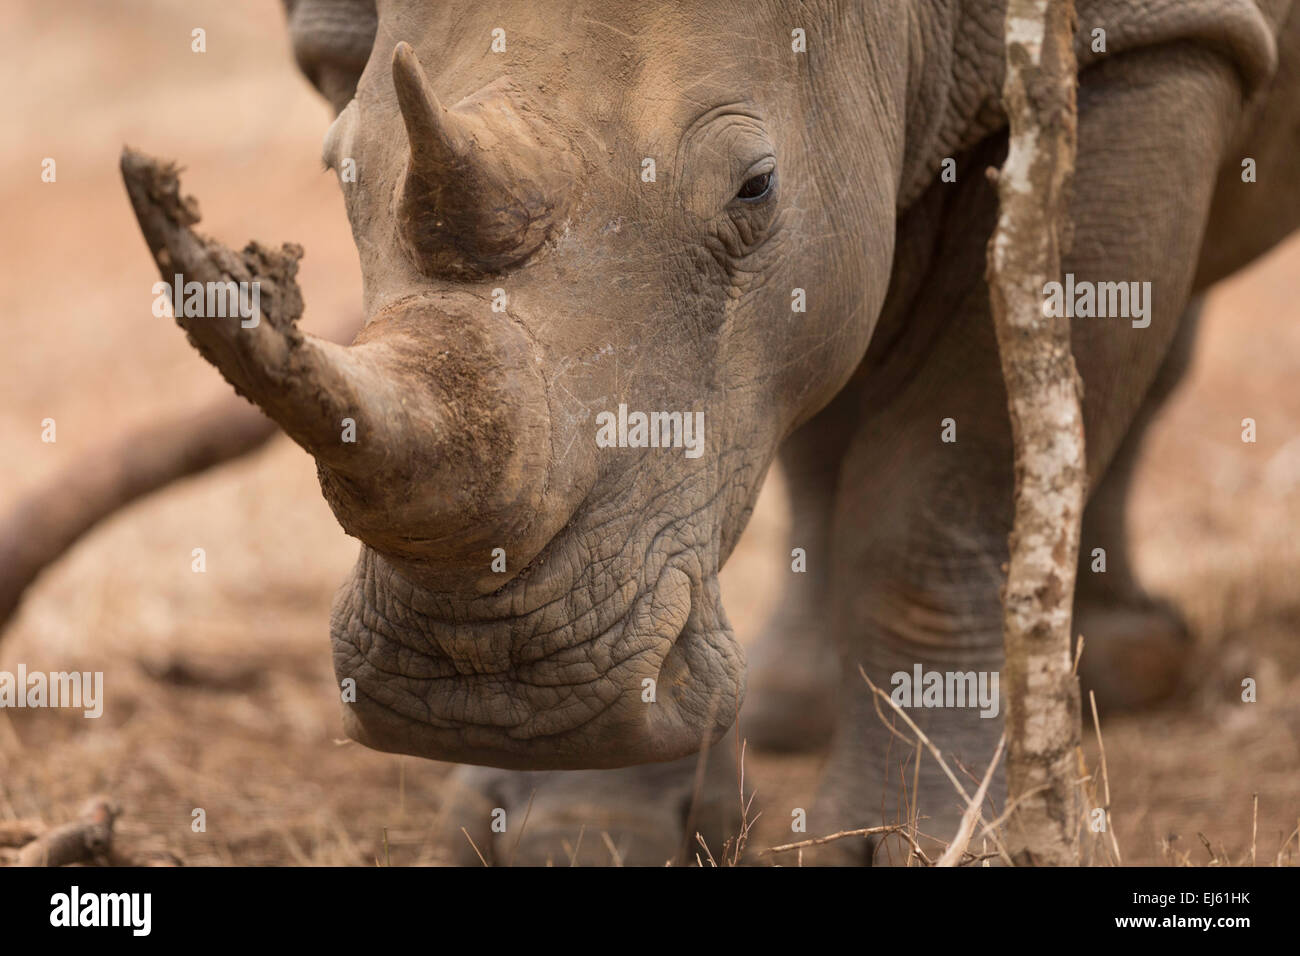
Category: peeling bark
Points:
column 1044, row 397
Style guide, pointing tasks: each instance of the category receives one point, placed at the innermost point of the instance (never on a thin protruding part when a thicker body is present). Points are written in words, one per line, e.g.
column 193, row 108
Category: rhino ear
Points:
column 332, row 40
column 483, row 187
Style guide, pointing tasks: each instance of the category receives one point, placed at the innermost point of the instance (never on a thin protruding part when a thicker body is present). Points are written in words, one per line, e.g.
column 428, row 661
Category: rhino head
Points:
column 571, row 215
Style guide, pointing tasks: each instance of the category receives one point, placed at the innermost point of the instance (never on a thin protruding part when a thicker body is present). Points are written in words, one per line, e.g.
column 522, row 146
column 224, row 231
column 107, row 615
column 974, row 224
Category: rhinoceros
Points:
column 585, row 227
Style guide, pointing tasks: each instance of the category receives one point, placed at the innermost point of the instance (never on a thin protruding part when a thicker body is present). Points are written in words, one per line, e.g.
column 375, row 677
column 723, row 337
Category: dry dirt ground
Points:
column 220, row 693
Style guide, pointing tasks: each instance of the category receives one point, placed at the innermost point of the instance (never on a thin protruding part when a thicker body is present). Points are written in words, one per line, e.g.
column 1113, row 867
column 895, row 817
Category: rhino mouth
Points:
column 648, row 674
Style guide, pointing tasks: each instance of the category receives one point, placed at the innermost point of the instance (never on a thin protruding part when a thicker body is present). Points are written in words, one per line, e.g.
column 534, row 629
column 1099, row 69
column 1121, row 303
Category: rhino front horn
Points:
column 483, row 187
column 430, row 431
column 241, row 312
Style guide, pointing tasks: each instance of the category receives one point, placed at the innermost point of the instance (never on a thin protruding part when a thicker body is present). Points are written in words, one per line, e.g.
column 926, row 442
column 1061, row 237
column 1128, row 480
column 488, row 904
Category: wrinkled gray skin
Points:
column 676, row 296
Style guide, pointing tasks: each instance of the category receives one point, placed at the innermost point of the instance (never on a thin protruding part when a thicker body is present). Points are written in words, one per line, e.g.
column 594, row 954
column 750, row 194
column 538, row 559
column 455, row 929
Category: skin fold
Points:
column 519, row 172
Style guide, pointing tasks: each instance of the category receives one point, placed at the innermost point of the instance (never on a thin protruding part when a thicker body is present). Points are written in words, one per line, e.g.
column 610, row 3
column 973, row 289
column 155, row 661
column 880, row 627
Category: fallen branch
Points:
column 16, row 833
column 841, row 835
column 88, row 838
column 45, row 523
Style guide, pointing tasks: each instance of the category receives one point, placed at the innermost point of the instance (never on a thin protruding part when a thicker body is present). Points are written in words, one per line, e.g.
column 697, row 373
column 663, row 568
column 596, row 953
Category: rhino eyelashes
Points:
column 483, row 188
column 757, row 188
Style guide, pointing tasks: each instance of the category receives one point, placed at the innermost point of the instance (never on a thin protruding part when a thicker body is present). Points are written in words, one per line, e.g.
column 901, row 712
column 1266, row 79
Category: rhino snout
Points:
column 649, row 674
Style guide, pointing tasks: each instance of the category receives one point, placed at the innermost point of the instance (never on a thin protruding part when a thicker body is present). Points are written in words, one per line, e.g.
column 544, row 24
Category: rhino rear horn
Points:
column 483, row 187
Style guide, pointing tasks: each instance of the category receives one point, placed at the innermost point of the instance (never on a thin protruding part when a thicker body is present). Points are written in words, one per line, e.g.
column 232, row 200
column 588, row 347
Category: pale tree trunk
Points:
column 1043, row 393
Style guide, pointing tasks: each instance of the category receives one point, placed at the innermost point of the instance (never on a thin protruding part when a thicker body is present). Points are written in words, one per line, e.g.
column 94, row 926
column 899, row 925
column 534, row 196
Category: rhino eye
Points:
column 757, row 187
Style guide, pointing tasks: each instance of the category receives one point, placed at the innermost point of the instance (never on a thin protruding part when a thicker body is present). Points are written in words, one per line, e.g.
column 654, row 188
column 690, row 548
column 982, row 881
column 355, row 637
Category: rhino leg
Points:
column 1136, row 647
column 646, row 815
column 920, row 538
column 921, row 525
column 793, row 664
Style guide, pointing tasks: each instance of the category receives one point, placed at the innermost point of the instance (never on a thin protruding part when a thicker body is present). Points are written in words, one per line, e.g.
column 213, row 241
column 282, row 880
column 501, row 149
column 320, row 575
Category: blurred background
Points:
column 220, row 692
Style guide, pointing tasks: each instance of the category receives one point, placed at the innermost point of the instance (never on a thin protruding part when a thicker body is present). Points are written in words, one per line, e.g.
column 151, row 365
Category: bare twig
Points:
column 1205, row 842
column 880, row 695
column 699, row 838
column 1105, row 778
column 473, row 846
column 952, row 855
column 697, row 787
column 912, row 817
column 841, row 835
column 990, row 828
column 612, row 848
column 577, row 847
column 734, row 848
column 520, row 835
column 1254, row 825
column 1277, row 860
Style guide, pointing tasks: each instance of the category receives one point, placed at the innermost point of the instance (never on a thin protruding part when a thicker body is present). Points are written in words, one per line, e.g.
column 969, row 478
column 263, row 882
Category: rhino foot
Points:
column 645, row 815
column 1133, row 655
